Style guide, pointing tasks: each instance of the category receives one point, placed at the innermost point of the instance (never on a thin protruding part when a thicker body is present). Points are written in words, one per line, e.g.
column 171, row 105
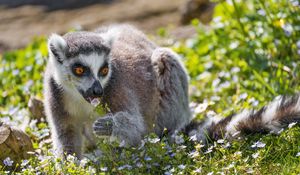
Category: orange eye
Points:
column 104, row 71
column 79, row 70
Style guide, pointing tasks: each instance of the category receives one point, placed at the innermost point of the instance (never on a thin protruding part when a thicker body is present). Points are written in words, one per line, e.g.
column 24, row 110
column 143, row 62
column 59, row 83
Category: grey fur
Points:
column 84, row 43
column 146, row 90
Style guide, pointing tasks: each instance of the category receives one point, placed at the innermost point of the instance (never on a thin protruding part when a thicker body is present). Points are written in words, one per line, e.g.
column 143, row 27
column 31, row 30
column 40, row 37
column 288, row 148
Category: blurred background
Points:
column 22, row 20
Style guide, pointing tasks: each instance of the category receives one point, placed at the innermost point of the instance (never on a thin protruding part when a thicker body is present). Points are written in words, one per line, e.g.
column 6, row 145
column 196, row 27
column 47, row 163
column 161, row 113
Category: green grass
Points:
column 249, row 55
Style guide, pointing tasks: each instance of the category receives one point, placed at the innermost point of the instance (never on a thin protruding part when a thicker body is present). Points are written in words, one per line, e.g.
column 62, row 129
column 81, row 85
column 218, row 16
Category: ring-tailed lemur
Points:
column 145, row 87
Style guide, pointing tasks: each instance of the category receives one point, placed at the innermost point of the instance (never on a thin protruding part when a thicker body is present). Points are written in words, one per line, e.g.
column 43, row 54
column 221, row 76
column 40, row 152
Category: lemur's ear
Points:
column 57, row 46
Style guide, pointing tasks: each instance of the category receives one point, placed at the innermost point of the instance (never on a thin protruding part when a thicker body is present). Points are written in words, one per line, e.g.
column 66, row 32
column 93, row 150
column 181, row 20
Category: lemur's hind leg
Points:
column 174, row 112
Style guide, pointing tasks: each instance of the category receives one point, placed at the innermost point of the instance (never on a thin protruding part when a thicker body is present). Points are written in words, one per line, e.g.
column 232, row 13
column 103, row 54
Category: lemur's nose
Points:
column 97, row 89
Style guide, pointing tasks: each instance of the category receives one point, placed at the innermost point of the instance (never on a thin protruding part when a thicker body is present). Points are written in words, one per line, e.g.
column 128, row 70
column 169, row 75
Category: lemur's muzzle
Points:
column 94, row 92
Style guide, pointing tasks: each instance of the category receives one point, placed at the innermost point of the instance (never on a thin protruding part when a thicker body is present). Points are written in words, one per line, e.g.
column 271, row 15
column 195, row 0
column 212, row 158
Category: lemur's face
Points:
column 82, row 62
column 89, row 74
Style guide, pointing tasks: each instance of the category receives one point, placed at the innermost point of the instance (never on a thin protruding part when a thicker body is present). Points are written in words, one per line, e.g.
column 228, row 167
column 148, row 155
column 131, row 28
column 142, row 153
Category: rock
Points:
column 36, row 108
column 200, row 9
column 14, row 145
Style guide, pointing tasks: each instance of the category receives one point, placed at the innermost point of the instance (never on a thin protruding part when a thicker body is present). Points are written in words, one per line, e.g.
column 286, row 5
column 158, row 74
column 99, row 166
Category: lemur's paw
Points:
column 103, row 126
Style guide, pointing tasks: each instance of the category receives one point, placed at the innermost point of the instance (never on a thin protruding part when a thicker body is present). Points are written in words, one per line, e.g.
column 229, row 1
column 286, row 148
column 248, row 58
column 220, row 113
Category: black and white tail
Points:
column 273, row 117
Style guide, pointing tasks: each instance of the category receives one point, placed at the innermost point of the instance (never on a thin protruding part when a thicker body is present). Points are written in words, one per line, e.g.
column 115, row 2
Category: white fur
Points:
column 76, row 105
column 297, row 106
column 268, row 117
column 95, row 61
column 201, row 131
column 58, row 43
column 231, row 128
column 162, row 50
column 270, row 112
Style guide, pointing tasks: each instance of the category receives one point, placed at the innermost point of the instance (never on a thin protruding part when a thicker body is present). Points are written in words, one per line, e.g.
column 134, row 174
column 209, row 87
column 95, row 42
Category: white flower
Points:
column 103, row 168
column 234, row 45
column 91, row 170
column 194, row 154
column 298, row 44
column 83, row 162
column 226, row 84
column 229, row 166
column 280, row 131
column 292, row 124
column 198, row 170
column 255, row 155
column 243, row 96
column 71, row 158
column 235, row 70
column 208, row 151
column 179, row 139
column 129, row 167
column 298, row 154
column 253, row 101
column 215, row 98
column 122, row 144
column 167, row 173
column 208, row 65
column 8, row 161
column 16, row 72
column 147, row 158
column 250, row 171
column 288, row 29
column 154, row 140
column 235, row 79
column 193, row 137
column 24, row 162
column 181, row 166
column 220, row 141
column 216, row 82
column 261, row 12
column 227, row 145
column 201, row 107
column 258, row 145
column 167, row 167
column 238, row 153
column 139, row 164
column 202, row 76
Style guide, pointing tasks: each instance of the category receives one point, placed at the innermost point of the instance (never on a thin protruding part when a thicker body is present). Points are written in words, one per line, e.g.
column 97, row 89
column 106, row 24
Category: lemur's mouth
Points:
column 91, row 98
column 95, row 101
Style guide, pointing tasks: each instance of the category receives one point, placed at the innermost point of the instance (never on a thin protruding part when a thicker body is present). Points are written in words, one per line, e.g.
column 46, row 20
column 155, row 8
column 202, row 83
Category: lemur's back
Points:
column 134, row 82
column 150, row 76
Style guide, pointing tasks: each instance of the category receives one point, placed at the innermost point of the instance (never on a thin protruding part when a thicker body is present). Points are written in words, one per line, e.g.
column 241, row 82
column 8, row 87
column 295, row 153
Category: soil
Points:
column 20, row 23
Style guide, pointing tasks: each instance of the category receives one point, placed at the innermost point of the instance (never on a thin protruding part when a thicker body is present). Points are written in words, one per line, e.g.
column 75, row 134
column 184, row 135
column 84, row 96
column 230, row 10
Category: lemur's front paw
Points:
column 103, row 126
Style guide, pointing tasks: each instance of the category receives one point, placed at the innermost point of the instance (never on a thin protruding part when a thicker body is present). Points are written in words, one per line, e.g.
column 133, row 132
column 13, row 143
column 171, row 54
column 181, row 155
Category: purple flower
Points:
column 8, row 161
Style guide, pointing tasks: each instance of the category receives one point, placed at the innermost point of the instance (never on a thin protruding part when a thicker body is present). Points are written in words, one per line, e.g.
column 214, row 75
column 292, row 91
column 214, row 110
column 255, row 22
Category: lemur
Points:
column 144, row 86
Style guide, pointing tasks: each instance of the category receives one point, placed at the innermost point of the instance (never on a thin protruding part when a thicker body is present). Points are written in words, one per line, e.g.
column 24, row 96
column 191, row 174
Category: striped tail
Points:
column 273, row 117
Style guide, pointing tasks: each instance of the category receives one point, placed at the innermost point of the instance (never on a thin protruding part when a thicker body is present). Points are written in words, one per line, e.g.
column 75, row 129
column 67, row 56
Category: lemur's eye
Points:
column 79, row 70
column 104, row 71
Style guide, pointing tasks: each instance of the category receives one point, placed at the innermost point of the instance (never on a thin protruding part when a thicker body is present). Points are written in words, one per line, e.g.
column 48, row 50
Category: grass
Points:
column 249, row 55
